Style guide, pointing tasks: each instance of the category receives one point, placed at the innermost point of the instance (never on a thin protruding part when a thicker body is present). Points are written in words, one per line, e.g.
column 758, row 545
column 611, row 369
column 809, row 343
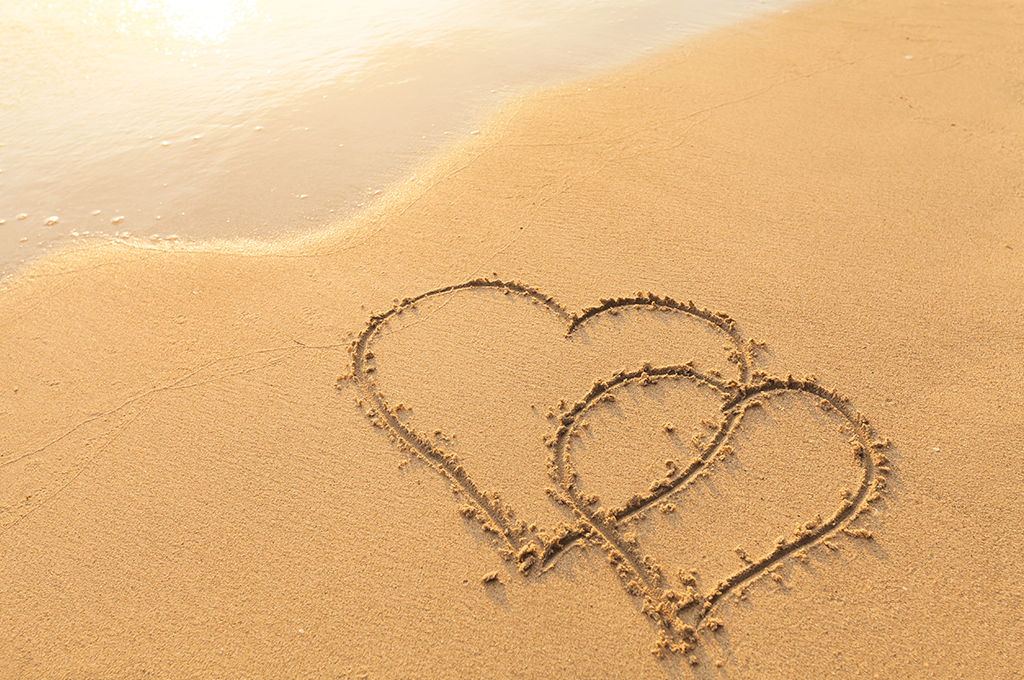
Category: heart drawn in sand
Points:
column 682, row 613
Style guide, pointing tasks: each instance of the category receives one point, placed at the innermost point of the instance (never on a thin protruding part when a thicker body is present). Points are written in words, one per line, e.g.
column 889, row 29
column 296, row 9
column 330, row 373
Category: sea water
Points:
column 194, row 119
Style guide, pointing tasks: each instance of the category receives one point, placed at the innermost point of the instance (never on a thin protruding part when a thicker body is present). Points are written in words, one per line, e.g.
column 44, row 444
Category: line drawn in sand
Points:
column 683, row 615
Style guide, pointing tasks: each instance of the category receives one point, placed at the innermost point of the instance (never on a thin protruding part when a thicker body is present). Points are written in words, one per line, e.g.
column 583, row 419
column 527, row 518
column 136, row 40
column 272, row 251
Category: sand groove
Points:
column 681, row 614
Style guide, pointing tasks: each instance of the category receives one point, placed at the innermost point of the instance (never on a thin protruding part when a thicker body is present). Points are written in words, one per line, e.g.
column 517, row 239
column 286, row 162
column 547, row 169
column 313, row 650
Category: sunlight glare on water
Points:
column 207, row 118
column 200, row 20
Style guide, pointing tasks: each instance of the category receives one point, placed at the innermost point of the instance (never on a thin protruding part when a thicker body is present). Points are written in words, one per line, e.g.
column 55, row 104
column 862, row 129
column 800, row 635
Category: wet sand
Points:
column 480, row 429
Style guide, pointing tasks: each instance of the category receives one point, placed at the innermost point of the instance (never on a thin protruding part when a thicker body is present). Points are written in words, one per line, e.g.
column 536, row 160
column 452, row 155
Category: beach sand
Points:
column 374, row 451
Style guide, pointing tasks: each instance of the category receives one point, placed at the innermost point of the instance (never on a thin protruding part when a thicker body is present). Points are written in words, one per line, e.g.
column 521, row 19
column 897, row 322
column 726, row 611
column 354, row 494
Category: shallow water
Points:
column 217, row 118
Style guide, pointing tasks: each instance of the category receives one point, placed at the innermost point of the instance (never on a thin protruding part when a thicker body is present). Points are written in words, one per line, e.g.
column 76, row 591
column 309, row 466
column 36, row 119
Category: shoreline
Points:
column 291, row 145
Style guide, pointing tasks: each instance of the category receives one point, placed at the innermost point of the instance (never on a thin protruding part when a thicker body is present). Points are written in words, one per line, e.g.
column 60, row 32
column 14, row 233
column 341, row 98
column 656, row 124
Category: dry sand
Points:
column 188, row 489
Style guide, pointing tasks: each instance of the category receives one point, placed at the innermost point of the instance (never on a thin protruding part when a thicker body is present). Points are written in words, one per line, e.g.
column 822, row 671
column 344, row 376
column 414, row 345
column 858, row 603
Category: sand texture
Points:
column 710, row 367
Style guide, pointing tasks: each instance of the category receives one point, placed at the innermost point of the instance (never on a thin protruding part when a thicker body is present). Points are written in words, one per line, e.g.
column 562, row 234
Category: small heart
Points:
column 544, row 472
column 747, row 495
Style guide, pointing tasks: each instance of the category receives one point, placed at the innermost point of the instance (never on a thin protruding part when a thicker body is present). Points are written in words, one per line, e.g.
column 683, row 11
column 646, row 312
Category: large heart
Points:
column 494, row 456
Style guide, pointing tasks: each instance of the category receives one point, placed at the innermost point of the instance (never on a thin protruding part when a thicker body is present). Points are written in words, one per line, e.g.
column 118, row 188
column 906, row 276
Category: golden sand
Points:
column 480, row 430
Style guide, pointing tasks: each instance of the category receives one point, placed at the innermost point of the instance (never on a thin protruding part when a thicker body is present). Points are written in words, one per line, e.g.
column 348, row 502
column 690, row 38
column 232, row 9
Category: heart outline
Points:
column 662, row 605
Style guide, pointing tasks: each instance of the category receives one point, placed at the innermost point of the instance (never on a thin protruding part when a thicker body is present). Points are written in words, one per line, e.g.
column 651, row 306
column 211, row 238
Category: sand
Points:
column 403, row 446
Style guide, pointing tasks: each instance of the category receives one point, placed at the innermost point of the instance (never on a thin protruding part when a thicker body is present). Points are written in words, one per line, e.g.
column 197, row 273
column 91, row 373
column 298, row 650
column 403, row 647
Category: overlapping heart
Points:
column 681, row 613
